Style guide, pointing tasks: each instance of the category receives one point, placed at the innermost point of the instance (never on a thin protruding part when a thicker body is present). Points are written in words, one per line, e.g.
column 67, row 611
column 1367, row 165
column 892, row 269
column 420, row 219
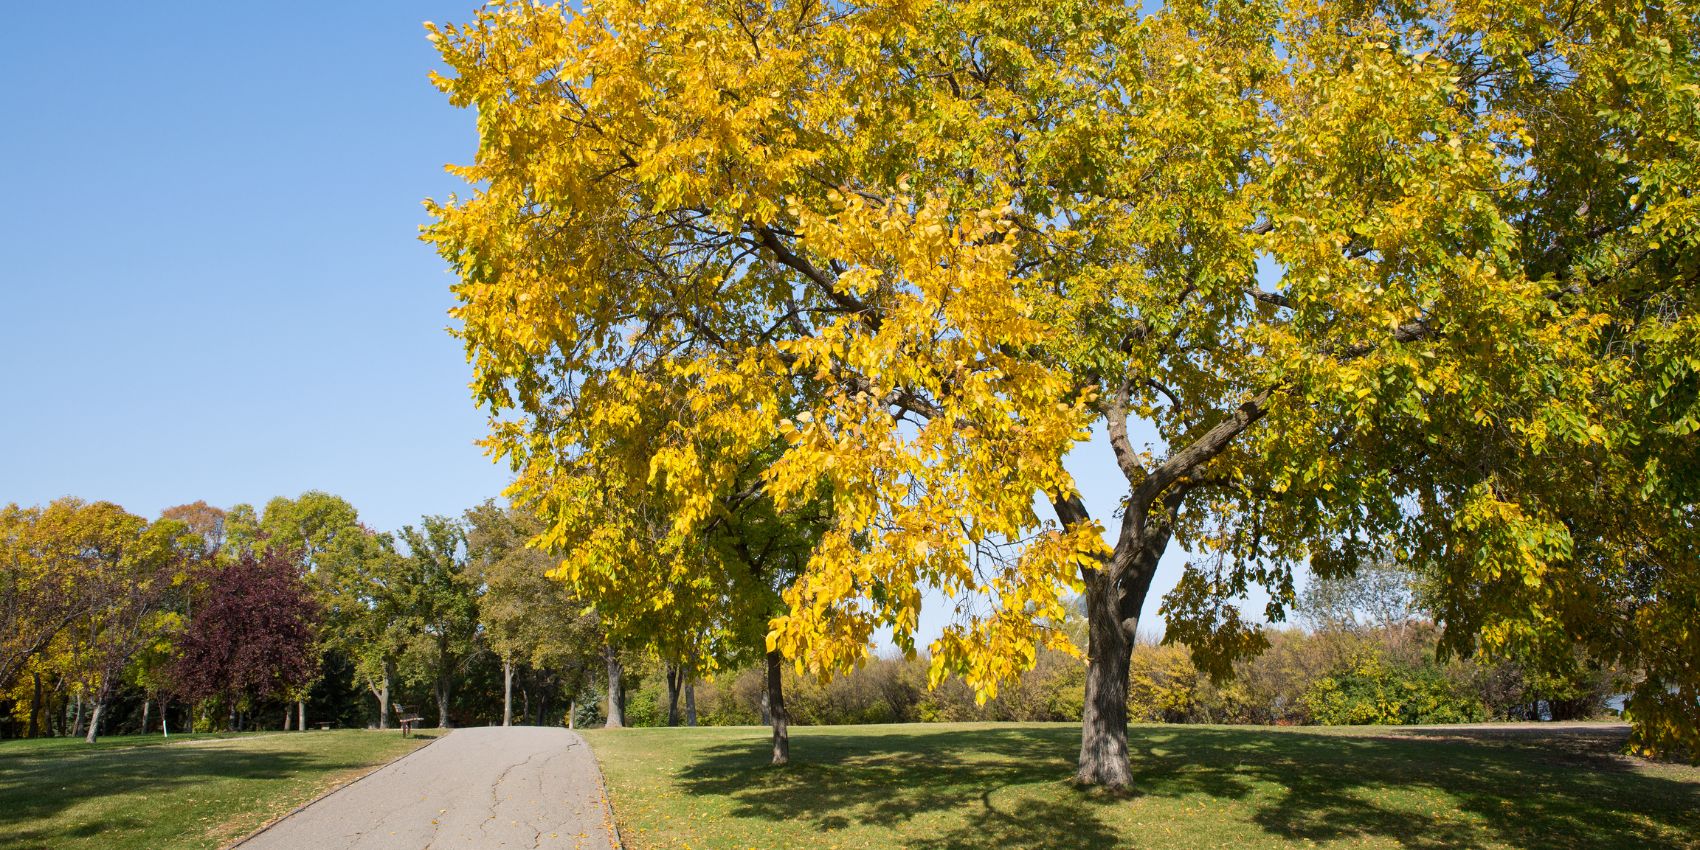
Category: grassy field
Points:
column 956, row 787
column 190, row 792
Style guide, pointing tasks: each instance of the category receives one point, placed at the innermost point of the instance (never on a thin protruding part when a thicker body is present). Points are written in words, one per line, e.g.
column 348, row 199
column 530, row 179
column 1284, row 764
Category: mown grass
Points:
column 188, row 792
column 969, row 786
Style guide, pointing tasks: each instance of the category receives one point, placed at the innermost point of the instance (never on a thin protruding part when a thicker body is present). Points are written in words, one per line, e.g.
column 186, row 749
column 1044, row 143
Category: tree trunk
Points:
column 1112, row 618
column 442, row 693
column 691, row 701
column 288, row 715
column 776, row 709
column 1103, row 728
column 94, row 719
column 675, row 676
column 572, row 713
column 35, row 708
column 147, row 703
column 616, row 690
column 164, row 717
column 384, row 695
column 77, row 721
column 507, row 692
column 300, row 715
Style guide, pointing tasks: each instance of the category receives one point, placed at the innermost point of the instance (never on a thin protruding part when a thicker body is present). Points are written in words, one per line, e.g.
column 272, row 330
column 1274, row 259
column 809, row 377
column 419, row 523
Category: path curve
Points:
column 495, row 788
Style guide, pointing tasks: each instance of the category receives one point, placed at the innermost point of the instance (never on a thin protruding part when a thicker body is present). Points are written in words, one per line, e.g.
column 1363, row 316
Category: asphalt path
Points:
column 495, row 788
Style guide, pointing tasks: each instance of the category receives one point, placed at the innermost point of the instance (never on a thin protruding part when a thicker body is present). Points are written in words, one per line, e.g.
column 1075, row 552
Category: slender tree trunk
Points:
column 616, row 690
column 572, row 713
column 94, row 719
column 507, row 692
column 35, row 707
column 77, row 719
column 384, row 695
column 442, row 694
column 691, row 701
column 300, row 715
column 288, row 715
column 776, row 709
column 147, row 703
column 675, row 676
column 165, row 717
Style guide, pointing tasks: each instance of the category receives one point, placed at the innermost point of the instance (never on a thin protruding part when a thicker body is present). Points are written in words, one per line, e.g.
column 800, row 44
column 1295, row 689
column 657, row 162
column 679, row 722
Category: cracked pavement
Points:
column 495, row 788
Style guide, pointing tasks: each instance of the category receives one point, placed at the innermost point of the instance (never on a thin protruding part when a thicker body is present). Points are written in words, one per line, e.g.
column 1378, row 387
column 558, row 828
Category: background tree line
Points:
column 1366, row 653
column 295, row 614
column 298, row 614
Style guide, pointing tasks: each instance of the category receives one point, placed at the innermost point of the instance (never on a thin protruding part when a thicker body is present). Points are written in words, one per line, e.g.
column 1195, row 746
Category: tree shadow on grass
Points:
column 36, row 788
column 1005, row 788
column 898, row 775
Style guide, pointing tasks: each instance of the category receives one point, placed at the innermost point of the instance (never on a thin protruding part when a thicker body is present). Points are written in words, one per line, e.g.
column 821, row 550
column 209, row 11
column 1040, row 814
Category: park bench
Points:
column 408, row 721
column 324, row 726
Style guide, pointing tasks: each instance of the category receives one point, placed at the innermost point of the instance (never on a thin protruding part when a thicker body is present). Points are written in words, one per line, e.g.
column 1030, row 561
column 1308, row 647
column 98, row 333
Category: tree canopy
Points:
column 1379, row 276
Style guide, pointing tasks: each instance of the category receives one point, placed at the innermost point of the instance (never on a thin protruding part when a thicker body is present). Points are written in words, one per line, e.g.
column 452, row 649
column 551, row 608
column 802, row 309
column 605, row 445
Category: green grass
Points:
column 199, row 791
column 961, row 786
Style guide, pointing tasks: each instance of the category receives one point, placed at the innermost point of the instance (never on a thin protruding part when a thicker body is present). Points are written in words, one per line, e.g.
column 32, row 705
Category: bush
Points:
column 1373, row 692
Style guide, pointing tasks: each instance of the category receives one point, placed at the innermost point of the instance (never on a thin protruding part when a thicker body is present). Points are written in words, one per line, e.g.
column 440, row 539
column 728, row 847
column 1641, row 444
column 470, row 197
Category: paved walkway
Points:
column 488, row 788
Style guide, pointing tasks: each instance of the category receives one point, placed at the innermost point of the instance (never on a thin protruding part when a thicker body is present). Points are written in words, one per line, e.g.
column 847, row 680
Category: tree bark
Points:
column 675, row 675
column 776, row 709
column 441, row 691
column 1103, row 727
column 572, row 713
column 94, row 720
column 616, row 690
column 288, row 713
column 147, row 703
column 384, row 695
column 35, row 708
column 77, row 720
column 1115, row 596
column 507, row 692
column 691, row 701
column 300, row 715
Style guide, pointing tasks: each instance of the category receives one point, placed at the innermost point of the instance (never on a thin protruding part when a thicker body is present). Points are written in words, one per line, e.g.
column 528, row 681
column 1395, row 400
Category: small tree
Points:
column 251, row 637
column 440, row 606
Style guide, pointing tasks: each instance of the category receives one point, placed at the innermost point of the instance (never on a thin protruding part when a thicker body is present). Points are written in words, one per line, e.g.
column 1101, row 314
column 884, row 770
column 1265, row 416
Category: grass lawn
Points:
column 960, row 786
column 195, row 791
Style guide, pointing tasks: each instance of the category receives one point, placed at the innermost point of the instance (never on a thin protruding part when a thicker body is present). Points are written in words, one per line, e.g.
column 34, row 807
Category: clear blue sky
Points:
column 212, row 286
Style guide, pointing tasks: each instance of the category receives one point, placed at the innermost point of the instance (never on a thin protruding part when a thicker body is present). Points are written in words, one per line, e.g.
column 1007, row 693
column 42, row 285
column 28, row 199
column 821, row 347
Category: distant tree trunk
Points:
column 147, row 703
column 766, row 715
column 441, row 691
column 572, row 713
column 77, row 719
column 691, row 701
column 35, row 708
column 384, row 695
column 94, row 719
column 288, row 714
column 164, row 717
column 507, row 692
column 675, row 678
column 300, row 715
column 776, row 709
column 616, row 690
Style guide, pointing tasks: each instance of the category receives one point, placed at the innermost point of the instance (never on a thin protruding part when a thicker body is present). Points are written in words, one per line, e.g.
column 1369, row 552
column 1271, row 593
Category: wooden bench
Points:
column 408, row 721
column 324, row 726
